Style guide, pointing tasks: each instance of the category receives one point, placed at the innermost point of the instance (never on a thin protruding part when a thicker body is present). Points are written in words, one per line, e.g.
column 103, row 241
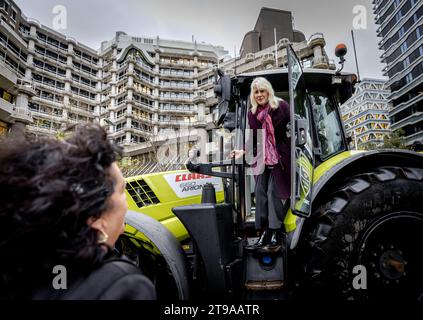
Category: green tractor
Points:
column 354, row 229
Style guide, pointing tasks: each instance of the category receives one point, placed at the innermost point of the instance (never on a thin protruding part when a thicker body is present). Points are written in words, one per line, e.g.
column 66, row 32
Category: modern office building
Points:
column 366, row 113
column 141, row 88
column 401, row 30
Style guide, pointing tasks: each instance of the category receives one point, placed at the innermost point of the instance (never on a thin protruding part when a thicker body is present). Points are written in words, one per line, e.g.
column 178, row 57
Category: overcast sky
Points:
column 220, row 22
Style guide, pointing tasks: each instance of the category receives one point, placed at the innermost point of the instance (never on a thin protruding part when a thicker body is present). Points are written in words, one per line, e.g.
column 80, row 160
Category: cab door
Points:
column 302, row 158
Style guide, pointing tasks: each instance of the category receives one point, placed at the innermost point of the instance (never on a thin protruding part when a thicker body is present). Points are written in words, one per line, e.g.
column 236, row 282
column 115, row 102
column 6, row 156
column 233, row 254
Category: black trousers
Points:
column 270, row 208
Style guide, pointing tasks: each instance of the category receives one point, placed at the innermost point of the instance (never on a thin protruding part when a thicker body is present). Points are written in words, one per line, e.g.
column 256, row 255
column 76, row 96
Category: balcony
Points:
column 399, row 75
column 409, row 86
column 42, row 129
column 268, row 59
column 144, row 66
column 249, row 57
column 57, row 89
column 6, row 109
column 48, row 100
column 181, row 123
column 176, row 110
column 176, row 86
column 22, row 114
column 138, row 130
column 141, row 118
column 143, row 105
column 47, row 114
column 52, row 45
column 174, row 74
column 81, row 111
column 8, row 75
column 405, row 105
column 410, row 120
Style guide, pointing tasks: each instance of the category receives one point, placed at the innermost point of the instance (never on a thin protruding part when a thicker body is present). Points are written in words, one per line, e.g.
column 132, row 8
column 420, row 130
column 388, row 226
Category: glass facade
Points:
column 401, row 30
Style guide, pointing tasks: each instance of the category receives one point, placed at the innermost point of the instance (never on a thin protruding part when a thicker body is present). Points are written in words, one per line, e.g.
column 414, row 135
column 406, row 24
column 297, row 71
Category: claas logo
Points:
column 190, row 177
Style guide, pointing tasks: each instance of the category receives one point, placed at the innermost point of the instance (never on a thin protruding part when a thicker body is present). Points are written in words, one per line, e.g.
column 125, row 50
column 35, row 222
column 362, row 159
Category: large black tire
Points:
column 369, row 219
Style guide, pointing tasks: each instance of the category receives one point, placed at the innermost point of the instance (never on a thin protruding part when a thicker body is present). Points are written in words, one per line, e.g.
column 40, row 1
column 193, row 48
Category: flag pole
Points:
column 276, row 49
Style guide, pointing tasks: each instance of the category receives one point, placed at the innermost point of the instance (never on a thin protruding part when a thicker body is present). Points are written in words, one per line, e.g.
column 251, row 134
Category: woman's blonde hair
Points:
column 261, row 83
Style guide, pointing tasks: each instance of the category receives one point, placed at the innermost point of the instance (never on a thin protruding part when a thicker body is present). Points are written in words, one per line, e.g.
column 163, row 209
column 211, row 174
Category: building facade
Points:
column 143, row 89
column 263, row 35
column 401, row 30
column 366, row 113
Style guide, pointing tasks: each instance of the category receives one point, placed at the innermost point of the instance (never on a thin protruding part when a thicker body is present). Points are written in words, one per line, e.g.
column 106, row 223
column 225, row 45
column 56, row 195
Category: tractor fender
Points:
column 361, row 161
column 167, row 244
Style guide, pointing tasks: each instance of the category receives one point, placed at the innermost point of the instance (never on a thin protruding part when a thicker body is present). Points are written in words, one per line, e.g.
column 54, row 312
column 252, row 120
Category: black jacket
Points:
column 116, row 279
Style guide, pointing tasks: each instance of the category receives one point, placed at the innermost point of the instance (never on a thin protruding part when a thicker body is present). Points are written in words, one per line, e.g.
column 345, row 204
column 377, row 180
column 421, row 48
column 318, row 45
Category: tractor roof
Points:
column 262, row 73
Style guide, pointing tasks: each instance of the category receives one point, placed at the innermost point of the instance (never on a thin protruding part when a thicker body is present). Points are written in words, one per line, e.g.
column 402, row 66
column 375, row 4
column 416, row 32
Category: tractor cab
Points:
column 314, row 96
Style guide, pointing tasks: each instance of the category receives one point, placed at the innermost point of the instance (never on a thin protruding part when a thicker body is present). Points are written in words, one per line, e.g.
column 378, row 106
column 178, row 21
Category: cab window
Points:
column 328, row 127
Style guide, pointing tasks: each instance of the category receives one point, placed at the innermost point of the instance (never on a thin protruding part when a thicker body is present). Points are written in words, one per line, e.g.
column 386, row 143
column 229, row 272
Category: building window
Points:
column 406, row 62
column 403, row 47
column 14, row 15
column 409, row 78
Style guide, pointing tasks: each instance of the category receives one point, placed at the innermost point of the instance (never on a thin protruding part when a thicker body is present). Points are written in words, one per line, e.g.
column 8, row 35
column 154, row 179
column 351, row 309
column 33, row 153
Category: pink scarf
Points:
column 271, row 155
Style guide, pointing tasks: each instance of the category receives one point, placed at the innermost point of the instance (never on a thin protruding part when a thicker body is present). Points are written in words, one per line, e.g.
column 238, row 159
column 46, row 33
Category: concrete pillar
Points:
column 128, row 137
column 65, row 113
column 28, row 74
column 17, row 129
column 33, row 31
column 68, row 74
column 31, row 45
column 201, row 112
column 130, row 67
column 203, row 139
column 22, row 101
column 130, row 81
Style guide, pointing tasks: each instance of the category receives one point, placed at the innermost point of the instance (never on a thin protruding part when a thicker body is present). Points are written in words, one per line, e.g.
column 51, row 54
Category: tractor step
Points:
column 264, row 285
column 265, row 249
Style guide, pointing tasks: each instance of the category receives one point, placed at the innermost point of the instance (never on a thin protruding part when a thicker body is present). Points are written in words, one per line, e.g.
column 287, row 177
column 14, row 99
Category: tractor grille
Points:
column 141, row 193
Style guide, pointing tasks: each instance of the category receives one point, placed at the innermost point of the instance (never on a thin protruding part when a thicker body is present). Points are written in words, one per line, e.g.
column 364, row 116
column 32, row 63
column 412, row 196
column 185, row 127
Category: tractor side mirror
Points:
column 223, row 91
column 229, row 121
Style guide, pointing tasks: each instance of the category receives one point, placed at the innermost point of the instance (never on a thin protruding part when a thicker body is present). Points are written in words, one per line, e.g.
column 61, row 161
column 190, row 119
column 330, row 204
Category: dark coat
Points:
column 115, row 279
column 282, row 172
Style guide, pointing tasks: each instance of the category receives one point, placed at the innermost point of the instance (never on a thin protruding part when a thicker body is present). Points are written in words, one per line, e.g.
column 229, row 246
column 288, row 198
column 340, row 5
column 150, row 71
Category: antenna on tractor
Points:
column 355, row 55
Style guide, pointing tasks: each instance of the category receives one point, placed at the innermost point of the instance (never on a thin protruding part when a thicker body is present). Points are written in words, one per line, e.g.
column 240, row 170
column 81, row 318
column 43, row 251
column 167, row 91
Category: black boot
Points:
column 275, row 238
column 263, row 239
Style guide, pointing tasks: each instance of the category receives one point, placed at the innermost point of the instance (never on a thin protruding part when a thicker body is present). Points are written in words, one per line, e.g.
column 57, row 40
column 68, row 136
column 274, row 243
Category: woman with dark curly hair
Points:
column 63, row 204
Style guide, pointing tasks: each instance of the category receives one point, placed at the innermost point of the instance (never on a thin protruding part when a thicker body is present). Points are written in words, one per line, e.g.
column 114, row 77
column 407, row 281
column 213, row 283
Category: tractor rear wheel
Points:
column 367, row 240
